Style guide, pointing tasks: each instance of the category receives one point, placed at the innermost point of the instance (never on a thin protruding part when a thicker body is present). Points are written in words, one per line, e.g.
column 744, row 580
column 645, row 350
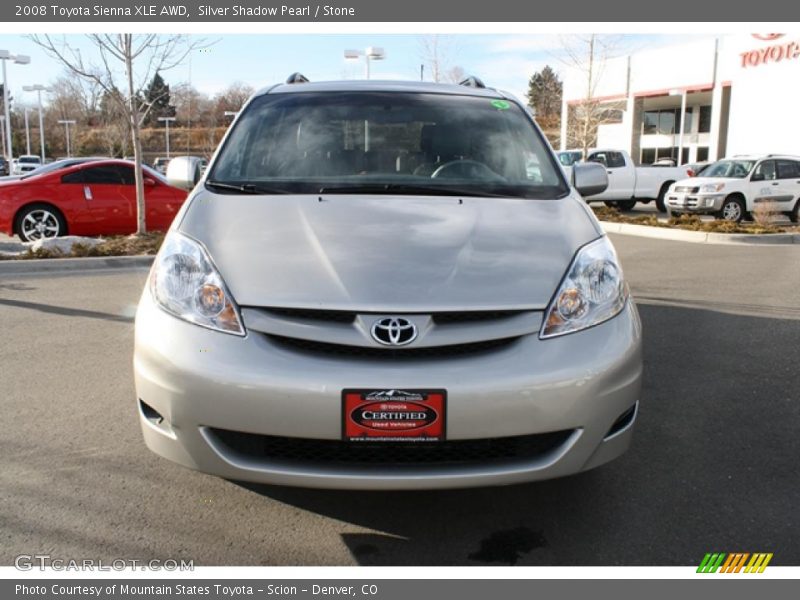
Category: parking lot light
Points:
column 166, row 121
column 19, row 59
column 67, row 123
column 38, row 88
column 370, row 53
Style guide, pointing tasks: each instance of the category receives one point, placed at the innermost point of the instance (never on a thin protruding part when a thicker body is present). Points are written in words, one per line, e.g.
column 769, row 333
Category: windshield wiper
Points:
column 405, row 188
column 245, row 188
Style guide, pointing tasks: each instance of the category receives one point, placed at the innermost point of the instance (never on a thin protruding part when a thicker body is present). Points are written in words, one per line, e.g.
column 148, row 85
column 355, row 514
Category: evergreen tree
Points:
column 544, row 95
column 157, row 96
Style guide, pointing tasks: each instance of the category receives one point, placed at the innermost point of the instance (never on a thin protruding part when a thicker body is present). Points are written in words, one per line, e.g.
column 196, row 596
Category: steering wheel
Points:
column 465, row 162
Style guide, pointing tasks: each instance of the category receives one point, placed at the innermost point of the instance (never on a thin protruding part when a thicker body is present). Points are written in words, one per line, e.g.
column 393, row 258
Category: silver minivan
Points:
column 387, row 285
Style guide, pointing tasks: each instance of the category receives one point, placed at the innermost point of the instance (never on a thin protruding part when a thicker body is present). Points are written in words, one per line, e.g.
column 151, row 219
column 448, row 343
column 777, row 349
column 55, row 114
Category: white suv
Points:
column 731, row 188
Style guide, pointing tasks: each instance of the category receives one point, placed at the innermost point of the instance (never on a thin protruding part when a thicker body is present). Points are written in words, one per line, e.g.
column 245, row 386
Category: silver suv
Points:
column 387, row 285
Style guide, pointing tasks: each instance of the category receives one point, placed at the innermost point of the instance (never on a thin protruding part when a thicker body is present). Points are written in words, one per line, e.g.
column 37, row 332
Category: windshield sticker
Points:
column 501, row 104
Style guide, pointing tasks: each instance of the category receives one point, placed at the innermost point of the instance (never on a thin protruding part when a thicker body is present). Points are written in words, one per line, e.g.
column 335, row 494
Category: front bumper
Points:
column 694, row 203
column 199, row 381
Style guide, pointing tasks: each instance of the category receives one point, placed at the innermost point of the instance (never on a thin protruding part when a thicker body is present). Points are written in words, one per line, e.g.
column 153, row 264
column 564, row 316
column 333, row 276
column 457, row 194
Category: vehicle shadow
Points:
column 713, row 465
column 64, row 311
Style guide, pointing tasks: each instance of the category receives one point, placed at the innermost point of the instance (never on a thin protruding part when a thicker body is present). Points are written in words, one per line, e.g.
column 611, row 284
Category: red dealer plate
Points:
column 392, row 415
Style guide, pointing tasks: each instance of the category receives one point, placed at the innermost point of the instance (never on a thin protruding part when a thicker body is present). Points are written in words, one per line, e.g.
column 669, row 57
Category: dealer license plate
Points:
column 393, row 415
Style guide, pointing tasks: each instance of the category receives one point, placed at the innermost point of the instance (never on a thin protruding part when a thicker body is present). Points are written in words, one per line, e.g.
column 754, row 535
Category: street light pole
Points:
column 67, row 123
column 370, row 53
column 20, row 59
column 166, row 121
column 39, row 88
column 27, row 133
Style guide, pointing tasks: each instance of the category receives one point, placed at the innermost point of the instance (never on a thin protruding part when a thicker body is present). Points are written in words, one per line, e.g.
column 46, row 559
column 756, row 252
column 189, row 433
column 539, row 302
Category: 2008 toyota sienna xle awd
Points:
column 387, row 285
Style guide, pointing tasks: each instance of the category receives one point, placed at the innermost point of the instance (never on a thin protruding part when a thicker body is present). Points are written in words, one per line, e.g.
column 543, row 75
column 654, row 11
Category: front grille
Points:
column 344, row 316
column 454, row 318
column 431, row 352
column 687, row 189
column 333, row 452
column 333, row 316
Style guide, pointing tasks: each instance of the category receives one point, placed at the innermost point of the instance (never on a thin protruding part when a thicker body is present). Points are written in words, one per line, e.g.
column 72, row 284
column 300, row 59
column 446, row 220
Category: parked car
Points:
column 90, row 198
column 731, row 188
column 5, row 169
column 393, row 286
column 629, row 184
column 570, row 157
column 50, row 167
column 26, row 163
column 160, row 165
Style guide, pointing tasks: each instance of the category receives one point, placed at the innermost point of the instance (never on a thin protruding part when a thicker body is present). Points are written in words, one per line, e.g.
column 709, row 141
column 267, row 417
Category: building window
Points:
column 663, row 122
column 648, row 156
column 650, row 122
column 702, row 153
column 685, row 156
column 667, row 153
column 704, row 123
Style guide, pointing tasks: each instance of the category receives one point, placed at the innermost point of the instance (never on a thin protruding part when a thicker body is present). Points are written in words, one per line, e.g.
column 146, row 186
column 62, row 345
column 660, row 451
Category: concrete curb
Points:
column 701, row 237
column 60, row 265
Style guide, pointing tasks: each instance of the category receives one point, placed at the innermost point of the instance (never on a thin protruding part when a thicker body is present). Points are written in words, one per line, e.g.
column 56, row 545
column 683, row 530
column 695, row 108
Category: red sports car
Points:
column 92, row 198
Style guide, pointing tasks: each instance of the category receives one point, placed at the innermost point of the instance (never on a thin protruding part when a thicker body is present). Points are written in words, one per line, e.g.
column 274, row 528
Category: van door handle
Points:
column 774, row 183
column 610, row 172
column 87, row 192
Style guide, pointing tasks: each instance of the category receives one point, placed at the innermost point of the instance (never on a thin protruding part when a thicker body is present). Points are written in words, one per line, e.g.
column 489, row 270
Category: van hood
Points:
column 390, row 253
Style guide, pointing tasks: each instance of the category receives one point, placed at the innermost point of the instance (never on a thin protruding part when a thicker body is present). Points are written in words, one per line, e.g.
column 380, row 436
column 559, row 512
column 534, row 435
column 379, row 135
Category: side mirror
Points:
column 184, row 171
column 757, row 177
column 589, row 178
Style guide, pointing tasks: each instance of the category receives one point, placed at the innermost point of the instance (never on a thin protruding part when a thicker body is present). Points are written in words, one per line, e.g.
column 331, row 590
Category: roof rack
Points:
column 297, row 78
column 472, row 81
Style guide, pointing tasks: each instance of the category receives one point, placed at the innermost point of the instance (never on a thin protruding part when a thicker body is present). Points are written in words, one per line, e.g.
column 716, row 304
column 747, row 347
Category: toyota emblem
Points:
column 394, row 331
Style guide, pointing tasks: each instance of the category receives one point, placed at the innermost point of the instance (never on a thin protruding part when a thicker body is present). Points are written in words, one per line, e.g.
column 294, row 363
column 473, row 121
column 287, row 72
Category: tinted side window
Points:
column 615, row 160
column 74, row 177
column 767, row 169
column 788, row 169
column 126, row 174
column 99, row 175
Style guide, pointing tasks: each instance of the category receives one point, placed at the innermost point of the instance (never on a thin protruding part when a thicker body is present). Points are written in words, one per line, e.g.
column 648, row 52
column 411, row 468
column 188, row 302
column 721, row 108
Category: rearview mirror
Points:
column 589, row 178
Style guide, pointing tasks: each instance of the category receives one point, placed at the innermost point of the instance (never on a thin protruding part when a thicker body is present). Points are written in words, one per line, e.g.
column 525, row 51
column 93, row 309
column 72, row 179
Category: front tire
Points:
column 794, row 214
column 660, row 204
column 39, row 221
column 732, row 209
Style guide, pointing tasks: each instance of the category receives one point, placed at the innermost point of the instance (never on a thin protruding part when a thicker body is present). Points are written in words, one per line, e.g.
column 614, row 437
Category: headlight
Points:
column 185, row 283
column 593, row 291
column 712, row 187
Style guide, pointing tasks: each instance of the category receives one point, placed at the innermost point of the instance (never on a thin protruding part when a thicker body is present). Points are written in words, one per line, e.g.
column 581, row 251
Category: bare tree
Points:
column 133, row 59
column 233, row 97
column 588, row 55
column 436, row 52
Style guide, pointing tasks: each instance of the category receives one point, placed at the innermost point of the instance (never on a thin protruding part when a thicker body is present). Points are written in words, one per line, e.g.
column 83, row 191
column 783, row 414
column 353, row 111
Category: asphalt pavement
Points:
column 713, row 465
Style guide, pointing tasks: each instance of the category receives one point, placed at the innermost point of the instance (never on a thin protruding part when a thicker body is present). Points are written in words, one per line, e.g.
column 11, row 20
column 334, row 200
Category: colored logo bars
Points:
column 735, row 562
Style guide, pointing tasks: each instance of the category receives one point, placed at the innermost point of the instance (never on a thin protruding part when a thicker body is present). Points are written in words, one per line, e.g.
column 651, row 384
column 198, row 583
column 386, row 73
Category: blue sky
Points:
column 503, row 61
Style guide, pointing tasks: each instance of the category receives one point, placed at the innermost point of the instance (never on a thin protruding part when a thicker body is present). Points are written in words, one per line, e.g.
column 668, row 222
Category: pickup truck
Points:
column 629, row 184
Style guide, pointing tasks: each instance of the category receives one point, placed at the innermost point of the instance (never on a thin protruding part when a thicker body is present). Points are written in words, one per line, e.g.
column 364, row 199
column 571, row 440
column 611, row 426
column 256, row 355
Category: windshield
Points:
column 33, row 160
column 735, row 169
column 382, row 142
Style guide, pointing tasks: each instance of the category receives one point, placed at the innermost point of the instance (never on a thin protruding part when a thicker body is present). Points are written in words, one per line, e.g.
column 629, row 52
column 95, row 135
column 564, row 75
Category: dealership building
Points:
column 701, row 101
